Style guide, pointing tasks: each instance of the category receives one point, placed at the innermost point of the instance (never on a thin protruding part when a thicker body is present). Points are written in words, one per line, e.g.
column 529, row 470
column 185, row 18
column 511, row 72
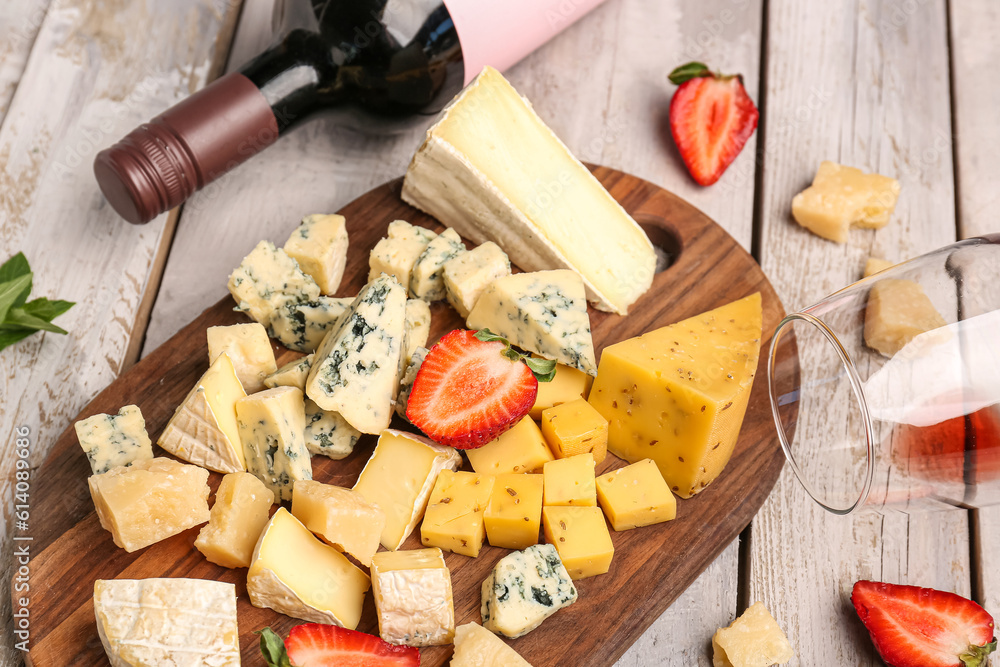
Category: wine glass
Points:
column 886, row 394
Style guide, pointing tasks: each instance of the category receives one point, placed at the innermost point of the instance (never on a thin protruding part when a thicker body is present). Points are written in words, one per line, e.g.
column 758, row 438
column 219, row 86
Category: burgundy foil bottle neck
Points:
column 158, row 165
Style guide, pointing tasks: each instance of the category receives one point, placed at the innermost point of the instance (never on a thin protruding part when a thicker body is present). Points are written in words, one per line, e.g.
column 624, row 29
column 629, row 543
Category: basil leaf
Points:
column 9, row 337
column 18, row 317
column 11, row 291
column 47, row 309
column 15, row 267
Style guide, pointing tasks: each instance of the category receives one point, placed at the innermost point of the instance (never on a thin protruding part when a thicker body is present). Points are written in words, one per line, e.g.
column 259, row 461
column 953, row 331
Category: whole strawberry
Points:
column 711, row 118
column 922, row 627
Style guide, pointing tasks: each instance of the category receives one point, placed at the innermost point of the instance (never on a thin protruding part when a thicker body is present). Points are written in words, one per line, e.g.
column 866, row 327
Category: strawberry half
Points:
column 711, row 118
column 320, row 645
column 472, row 387
column 922, row 627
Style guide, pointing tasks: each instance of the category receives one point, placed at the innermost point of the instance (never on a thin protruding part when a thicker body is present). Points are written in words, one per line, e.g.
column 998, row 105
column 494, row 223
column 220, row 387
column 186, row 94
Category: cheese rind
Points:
column 327, row 433
column 302, row 325
column 635, row 496
column 240, row 512
column 840, row 197
column 581, row 537
column 292, row 374
column 575, row 427
column 340, row 517
column 110, row 441
column 248, row 348
column 469, row 273
column 319, row 245
column 413, row 597
column 177, row 622
column 897, row 312
column 752, row 640
column 514, row 514
column 525, row 588
column 427, row 277
column 521, row 449
column 454, row 518
column 271, row 425
column 475, row 646
column 266, row 280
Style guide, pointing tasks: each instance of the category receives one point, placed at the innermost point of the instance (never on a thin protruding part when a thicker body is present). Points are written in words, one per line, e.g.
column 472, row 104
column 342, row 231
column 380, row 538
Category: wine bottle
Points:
column 389, row 58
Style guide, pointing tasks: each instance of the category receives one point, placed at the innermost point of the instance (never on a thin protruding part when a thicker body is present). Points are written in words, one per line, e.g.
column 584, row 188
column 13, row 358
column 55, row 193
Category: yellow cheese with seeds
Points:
column 341, row 517
column 514, row 514
column 521, row 449
column 575, row 428
column 581, row 537
column 570, row 481
column 241, row 509
column 635, row 496
column 567, row 385
column 454, row 520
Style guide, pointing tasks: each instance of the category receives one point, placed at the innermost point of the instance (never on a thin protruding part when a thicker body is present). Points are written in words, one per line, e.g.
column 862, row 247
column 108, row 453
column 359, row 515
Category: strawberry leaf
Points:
column 543, row 369
column 273, row 648
column 11, row 292
column 686, row 72
column 976, row 656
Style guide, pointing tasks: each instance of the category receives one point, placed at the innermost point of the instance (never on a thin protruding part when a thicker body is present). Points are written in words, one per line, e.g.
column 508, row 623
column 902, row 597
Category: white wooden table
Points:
column 903, row 87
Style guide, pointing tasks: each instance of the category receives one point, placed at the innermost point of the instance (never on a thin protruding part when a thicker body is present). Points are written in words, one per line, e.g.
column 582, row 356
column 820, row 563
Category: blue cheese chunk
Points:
column 292, row 374
column 466, row 276
column 524, row 589
column 272, row 425
column 328, row 434
column 319, row 245
column 417, row 325
column 543, row 312
column 110, row 441
column 249, row 350
column 301, row 325
column 406, row 383
column 427, row 277
column 268, row 279
column 396, row 254
column 356, row 369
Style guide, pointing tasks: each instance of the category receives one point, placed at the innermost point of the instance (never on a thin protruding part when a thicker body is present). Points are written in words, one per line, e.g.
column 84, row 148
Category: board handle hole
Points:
column 665, row 240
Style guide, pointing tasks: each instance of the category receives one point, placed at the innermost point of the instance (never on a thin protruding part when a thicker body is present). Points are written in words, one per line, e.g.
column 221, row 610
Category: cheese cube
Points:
column 266, row 280
column 574, row 428
column 167, row 622
column 843, row 196
column 581, row 537
column 301, row 325
column 417, row 325
column 203, row 429
column 427, row 277
column 114, row 440
column 568, row 384
column 241, row 510
column 469, row 273
column 271, row 426
column 399, row 478
column 752, row 640
column 341, row 517
column 319, row 245
column 519, row 449
column 248, row 348
column 514, row 514
column 406, row 382
column 453, row 520
column 678, row 394
column 873, row 265
column 150, row 501
column 396, row 254
column 292, row 374
column 635, row 496
column 401, row 229
column 475, row 646
column 413, row 597
column 327, row 433
column 897, row 312
column 525, row 588
column 295, row 574
column 570, row 481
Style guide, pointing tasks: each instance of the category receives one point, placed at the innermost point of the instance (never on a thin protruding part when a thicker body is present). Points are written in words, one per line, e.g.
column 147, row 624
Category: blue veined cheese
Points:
column 417, row 325
column 272, row 425
column 167, row 622
column 110, row 441
column 249, row 350
column 292, row 374
column 543, row 312
column 327, row 433
column 268, row 279
column 427, row 277
column 406, row 383
column 301, row 326
column 525, row 588
column 468, row 274
column 356, row 369
column 319, row 245
column 401, row 229
column 396, row 254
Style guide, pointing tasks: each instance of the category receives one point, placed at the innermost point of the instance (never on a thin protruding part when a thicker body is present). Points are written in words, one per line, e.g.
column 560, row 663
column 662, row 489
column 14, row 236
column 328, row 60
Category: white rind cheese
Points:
column 319, row 245
column 427, row 277
column 292, row 374
column 272, row 425
column 543, row 312
column 475, row 646
column 413, row 597
column 266, row 280
column 328, row 434
column 249, row 350
column 110, row 441
column 301, row 326
column 525, row 588
column 468, row 274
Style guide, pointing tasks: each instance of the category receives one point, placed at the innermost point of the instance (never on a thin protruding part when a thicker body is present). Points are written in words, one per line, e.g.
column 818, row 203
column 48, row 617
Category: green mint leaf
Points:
column 47, row 309
column 687, row 72
column 11, row 292
column 543, row 369
column 273, row 648
column 18, row 317
column 9, row 337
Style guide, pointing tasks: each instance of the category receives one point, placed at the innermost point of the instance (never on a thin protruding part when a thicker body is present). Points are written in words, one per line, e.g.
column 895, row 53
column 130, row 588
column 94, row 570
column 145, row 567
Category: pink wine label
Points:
column 501, row 32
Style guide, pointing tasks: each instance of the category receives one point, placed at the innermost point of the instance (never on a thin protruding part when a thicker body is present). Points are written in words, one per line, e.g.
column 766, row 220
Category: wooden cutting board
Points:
column 652, row 566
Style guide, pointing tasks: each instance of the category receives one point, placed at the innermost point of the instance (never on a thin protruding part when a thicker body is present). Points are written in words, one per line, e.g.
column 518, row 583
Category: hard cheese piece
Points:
column 167, row 622
column 475, row 646
column 678, row 394
column 520, row 449
column 266, row 280
column 427, row 277
column 897, row 312
column 574, row 428
column 292, row 374
column 319, row 245
column 406, row 382
column 396, row 254
column 114, row 440
column 752, row 640
column 242, row 506
column 271, row 426
column 302, row 325
column 581, row 537
column 469, row 273
column 399, row 477
column 413, row 597
column 327, row 433
column 514, row 514
column 417, row 325
column 523, row 190
column 635, row 496
column 150, row 501
column 873, row 265
column 524, row 589
column 203, row 429
column 567, row 385
column 248, row 348
column 843, row 196
column 570, row 481
column 356, row 369
column 543, row 312
column 295, row 574
column 454, row 517
column 341, row 517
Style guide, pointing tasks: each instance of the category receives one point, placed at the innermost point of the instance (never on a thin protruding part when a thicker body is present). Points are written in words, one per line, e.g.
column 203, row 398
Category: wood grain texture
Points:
column 19, row 24
column 652, row 566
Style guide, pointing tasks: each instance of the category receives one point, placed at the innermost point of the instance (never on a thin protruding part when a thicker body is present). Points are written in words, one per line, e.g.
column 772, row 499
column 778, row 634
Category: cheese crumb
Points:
column 752, row 640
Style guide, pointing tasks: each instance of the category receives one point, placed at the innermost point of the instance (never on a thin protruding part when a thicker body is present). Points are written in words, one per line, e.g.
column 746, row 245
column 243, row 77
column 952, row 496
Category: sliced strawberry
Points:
column 711, row 118
column 922, row 627
column 320, row 645
column 469, row 390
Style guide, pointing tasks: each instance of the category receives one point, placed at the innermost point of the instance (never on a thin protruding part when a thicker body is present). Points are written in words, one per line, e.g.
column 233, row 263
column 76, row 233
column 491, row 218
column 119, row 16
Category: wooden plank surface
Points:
column 19, row 24
column 867, row 86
